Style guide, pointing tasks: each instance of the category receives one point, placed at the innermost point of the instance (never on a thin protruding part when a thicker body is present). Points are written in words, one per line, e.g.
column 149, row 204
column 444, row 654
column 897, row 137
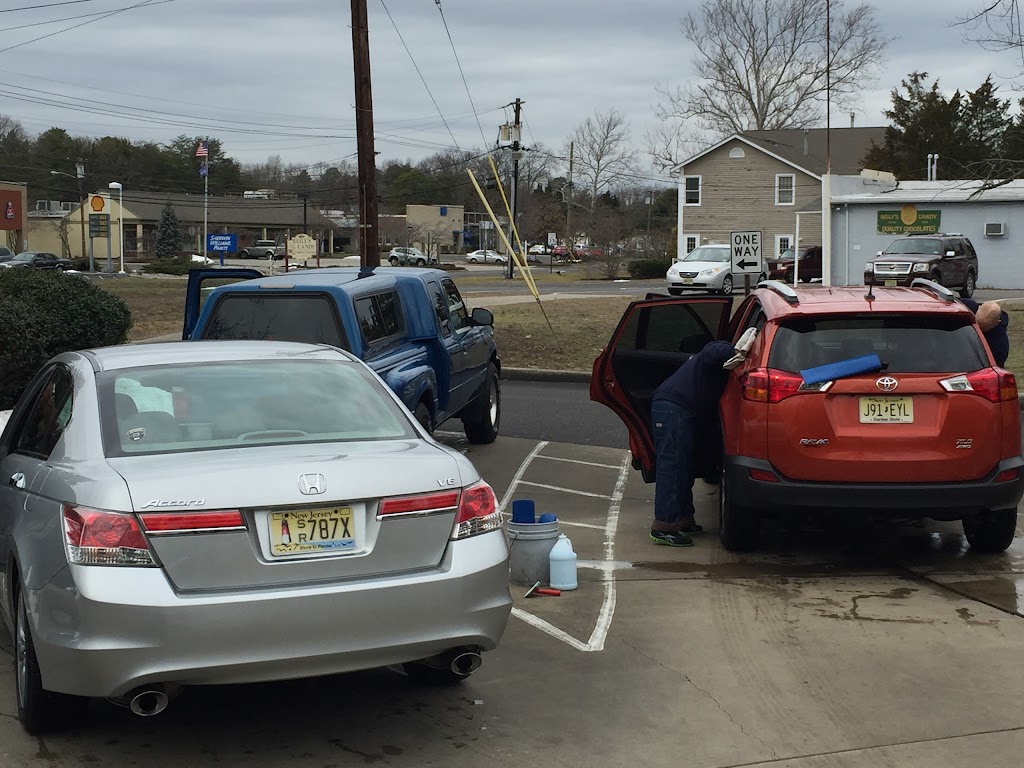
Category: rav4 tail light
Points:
column 994, row 384
column 104, row 538
column 478, row 512
column 767, row 385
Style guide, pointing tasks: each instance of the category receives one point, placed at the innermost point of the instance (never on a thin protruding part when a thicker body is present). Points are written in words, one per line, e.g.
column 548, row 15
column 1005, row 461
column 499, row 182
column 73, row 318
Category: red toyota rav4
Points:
column 934, row 434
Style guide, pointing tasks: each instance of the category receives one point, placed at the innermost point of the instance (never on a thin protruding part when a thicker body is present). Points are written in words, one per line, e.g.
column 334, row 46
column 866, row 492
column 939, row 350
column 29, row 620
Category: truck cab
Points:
column 411, row 326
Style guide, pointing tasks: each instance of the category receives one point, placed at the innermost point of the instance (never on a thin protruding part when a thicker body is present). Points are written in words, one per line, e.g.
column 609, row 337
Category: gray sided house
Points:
column 764, row 180
column 865, row 221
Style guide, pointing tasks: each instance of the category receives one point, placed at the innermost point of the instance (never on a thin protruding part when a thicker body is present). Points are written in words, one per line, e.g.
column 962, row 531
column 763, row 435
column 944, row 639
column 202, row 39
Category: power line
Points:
column 418, row 72
column 463, row 74
column 45, row 5
column 71, row 18
column 76, row 26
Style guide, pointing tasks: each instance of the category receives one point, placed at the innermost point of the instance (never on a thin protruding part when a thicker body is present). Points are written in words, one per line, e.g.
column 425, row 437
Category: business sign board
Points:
column 222, row 243
column 909, row 221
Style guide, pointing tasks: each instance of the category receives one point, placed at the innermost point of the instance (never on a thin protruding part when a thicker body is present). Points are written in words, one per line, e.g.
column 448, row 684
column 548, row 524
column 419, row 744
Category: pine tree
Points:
column 168, row 234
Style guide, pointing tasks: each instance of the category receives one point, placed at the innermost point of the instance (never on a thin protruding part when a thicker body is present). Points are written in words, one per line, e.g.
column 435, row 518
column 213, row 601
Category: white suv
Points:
column 406, row 256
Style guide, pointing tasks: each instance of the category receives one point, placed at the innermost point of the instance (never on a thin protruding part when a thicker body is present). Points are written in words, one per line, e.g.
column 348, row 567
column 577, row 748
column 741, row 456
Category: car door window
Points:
column 456, row 306
column 49, row 416
column 440, row 308
column 379, row 317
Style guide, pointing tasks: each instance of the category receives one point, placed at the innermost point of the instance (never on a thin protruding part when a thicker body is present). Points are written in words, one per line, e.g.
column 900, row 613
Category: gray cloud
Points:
column 288, row 63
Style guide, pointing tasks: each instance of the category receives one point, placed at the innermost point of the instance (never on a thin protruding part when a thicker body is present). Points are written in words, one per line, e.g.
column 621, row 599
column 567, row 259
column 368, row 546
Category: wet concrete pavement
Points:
column 852, row 646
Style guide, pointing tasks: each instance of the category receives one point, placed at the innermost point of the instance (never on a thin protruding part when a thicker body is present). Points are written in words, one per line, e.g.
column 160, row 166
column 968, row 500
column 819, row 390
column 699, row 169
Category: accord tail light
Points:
column 419, row 505
column 767, row 385
column 104, row 538
column 478, row 512
column 193, row 522
column 994, row 384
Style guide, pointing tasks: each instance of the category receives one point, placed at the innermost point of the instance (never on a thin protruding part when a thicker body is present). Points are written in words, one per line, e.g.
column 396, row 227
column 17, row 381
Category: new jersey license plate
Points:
column 311, row 531
column 887, row 410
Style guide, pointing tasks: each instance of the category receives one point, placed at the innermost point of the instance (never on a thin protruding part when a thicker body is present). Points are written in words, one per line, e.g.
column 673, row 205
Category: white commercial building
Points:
column 868, row 215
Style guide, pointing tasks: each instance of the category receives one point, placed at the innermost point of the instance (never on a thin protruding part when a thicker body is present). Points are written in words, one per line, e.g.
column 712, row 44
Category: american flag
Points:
column 202, row 150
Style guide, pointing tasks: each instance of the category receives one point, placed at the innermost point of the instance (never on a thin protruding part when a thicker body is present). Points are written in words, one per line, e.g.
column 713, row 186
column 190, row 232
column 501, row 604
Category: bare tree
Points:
column 671, row 142
column 996, row 26
column 761, row 64
column 64, row 234
column 603, row 152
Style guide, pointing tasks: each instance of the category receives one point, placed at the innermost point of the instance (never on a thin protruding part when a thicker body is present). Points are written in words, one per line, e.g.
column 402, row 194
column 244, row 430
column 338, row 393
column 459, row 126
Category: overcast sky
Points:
column 275, row 76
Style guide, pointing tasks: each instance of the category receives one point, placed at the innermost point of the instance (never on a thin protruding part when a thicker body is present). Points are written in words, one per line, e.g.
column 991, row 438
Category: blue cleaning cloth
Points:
column 843, row 368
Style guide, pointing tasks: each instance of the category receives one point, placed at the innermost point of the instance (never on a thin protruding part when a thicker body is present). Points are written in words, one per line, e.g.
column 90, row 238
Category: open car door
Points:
column 194, row 292
column 653, row 339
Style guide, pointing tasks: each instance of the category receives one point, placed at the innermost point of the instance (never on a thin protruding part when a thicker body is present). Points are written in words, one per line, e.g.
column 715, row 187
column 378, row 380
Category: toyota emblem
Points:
column 887, row 384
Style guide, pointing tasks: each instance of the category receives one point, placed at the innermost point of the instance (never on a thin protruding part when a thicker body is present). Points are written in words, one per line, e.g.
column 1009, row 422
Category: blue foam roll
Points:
column 524, row 511
column 842, row 369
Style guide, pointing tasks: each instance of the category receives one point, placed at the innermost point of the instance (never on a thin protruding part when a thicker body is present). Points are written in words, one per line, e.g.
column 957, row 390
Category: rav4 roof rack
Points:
column 779, row 287
column 939, row 291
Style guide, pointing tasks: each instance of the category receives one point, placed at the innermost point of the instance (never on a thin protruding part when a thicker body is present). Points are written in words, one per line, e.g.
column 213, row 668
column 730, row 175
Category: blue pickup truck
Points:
column 409, row 325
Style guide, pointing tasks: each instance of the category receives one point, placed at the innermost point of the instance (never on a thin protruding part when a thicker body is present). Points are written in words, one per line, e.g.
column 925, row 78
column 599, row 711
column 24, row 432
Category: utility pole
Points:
column 570, row 241
column 80, row 174
column 369, row 255
column 305, row 200
column 517, row 151
column 650, row 209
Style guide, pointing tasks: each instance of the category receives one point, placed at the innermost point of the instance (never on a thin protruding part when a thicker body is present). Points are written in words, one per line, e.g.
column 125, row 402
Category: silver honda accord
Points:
column 232, row 512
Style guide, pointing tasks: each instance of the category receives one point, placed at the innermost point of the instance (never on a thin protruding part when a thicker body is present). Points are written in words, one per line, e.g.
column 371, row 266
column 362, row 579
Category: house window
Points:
column 736, row 153
column 690, row 242
column 785, row 189
column 782, row 244
column 691, row 193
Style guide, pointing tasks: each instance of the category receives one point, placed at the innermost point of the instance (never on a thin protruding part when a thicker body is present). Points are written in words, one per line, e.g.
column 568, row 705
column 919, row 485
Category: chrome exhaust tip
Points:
column 148, row 702
column 466, row 663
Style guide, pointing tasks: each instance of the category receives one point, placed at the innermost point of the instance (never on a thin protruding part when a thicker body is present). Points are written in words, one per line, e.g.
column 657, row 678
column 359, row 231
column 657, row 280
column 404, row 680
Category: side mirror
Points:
column 950, row 254
column 482, row 316
column 878, row 254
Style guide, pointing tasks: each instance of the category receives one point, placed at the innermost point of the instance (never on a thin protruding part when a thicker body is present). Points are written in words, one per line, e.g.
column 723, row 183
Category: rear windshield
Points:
column 308, row 318
column 905, row 343
column 171, row 408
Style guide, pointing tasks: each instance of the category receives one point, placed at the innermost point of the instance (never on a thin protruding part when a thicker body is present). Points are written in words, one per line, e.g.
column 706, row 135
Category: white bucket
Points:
column 529, row 548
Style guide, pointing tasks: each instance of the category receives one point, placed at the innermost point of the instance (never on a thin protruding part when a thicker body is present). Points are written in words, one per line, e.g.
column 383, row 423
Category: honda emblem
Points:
column 887, row 384
column 312, row 484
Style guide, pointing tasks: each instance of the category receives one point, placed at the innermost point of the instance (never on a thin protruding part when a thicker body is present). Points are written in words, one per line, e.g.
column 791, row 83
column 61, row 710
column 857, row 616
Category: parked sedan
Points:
column 705, row 268
column 157, row 532
column 486, row 257
column 5, row 254
column 37, row 260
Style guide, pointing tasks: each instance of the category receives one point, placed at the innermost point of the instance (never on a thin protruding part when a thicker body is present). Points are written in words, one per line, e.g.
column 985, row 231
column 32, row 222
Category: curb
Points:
column 542, row 374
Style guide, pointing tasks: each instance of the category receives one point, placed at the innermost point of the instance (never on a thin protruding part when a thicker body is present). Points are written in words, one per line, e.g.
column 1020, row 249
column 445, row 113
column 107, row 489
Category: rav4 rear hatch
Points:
column 933, row 413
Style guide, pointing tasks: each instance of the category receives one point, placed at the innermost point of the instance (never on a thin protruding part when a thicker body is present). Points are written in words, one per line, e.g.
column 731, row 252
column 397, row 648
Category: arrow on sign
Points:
column 744, row 264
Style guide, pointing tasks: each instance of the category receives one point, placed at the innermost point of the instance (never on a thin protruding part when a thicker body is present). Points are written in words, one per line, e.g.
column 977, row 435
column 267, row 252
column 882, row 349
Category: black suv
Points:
column 948, row 259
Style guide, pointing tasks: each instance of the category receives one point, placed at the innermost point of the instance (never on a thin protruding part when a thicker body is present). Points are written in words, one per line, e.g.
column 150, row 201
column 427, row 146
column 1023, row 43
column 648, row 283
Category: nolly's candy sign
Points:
column 909, row 221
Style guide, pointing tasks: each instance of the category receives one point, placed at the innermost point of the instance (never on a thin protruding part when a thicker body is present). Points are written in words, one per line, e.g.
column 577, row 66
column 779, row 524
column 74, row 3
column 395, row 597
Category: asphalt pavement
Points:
column 559, row 412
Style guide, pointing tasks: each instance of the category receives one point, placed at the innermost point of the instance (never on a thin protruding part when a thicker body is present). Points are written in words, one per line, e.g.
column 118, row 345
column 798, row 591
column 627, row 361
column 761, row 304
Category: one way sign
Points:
column 747, row 257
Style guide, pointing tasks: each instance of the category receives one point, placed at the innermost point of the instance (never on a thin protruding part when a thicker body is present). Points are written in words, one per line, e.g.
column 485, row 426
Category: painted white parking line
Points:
column 611, row 526
column 577, row 461
column 518, row 477
column 564, row 490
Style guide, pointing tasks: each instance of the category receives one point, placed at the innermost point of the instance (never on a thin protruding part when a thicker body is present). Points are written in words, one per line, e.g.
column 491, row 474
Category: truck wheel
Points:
column 968, row 290
column 39, row 710
column 739, row 530
column 991, row 532
column 422, row 414
column 483, row 416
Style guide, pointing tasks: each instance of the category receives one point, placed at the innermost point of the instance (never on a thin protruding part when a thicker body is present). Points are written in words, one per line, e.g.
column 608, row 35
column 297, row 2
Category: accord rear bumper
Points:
column 939, row 501
column 104, row 631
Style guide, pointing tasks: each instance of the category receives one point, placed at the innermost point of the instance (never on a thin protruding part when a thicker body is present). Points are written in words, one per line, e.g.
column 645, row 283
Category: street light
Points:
column 80, row 178
column 120, row 216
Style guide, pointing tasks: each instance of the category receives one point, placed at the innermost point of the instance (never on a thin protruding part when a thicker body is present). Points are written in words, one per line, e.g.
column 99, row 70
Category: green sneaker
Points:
column 672, row 538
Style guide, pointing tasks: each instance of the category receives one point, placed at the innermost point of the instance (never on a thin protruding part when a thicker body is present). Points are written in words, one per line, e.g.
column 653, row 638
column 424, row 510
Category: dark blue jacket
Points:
column 699, row 383
column 997, row 338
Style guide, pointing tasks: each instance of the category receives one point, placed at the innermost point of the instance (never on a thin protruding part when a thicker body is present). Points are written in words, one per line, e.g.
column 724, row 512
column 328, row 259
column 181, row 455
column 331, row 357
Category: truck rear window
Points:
column 307, row 318
column 904, row 343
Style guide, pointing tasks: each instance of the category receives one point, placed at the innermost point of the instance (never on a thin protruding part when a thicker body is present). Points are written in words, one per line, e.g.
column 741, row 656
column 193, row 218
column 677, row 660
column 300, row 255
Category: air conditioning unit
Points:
column 995, row 229
column 67, row 206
